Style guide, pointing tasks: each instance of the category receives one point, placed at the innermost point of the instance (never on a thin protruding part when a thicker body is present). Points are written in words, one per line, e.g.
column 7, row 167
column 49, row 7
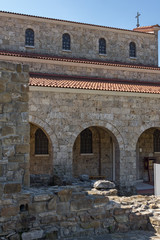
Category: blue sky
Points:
column 112, row 13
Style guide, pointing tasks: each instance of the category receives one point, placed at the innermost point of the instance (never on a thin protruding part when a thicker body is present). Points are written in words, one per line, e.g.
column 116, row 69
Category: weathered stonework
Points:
column 72, row 211
column 14, row 126
column 126, row 117
column 84, row 39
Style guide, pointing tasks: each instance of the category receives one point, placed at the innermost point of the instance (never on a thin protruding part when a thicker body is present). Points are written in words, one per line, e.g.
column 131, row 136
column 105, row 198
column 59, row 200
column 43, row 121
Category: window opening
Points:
column 41, row 142
column 86, row 141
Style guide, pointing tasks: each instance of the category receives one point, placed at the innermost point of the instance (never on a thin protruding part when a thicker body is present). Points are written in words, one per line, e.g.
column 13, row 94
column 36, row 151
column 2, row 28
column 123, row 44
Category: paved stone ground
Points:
column 132, row 235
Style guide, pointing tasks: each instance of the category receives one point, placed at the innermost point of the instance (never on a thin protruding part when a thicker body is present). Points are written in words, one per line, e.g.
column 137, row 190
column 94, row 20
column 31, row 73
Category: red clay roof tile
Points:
column 92, row 84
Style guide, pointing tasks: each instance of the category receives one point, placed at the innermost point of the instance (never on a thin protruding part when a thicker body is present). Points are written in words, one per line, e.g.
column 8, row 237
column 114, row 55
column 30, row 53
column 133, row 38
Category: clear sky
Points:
column 112, row 13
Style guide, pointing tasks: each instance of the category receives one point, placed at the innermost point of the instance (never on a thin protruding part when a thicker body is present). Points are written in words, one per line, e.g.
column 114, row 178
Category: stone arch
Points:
column 49, row 131
column 142, row 130
column 102, row 124
column 47, row 172
column 115, row 141
column 145, row 149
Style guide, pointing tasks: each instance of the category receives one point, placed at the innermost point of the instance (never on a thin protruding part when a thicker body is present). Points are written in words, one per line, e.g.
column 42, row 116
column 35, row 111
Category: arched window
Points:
column 29, row 37
column 86, row 141
column 156, row 137
column 66, row 41
column 102, row 46
column 132, row 49
column 41, row 142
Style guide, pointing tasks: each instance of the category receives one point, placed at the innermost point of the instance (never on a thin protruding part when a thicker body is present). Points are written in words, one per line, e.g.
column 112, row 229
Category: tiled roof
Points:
column 46, row 80
column 60, row 20
column 147, row 29
column 75, row 60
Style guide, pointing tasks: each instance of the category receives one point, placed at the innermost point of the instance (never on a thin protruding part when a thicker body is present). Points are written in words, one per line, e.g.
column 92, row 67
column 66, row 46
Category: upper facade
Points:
column 32, row 34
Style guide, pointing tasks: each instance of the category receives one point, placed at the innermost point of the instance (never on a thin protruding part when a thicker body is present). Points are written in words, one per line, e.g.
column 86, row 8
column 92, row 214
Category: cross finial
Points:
column 138, row 14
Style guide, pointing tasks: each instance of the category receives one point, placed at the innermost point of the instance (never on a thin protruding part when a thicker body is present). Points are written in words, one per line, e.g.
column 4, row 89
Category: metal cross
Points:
column 138, row 14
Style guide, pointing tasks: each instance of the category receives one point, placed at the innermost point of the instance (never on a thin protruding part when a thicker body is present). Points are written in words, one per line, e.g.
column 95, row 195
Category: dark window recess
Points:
column 156, row 137
column 66, row 42
column 132, row 49
column 102, row 46
column 23, row 207
column 86, row 141
column 29, row 37
column 41, row 142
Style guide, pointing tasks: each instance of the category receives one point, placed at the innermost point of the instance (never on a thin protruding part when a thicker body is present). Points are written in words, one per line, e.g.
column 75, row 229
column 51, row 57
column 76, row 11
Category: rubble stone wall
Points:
column 84, row 40
column 14, row 127
column 58, row 213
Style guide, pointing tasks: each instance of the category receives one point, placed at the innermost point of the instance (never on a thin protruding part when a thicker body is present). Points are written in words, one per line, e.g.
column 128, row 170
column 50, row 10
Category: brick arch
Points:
column 99, row 123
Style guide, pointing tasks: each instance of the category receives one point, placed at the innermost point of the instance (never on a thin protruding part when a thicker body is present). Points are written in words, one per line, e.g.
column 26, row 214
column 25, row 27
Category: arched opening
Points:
column 41, row 163
column 148, row 152
column 100, row 157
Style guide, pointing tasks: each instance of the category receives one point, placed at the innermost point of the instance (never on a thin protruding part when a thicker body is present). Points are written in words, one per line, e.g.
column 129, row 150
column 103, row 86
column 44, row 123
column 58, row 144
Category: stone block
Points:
column 5, row 97
column 18, row 68
column 37, row 207
column 7, row 130
column 25, row 68
column 2, row 170
column 40, row 198
column 1, row 189
column 14, row 237
column 2, row 87
column 94, row 224
column 9, row 226
column 63, row 207
column 1, row 108
column 78, row 195
column 52, row 203
column 8, row 151
column 11, row 140
column 65, row 195
column 32, row 235
column 22, row 148
column 103, row 184
column 79, row 205
column 121, row 218
column 101, row 200
column 12, row 166
column 10, row 188
column 8, row 107
column 9, row 211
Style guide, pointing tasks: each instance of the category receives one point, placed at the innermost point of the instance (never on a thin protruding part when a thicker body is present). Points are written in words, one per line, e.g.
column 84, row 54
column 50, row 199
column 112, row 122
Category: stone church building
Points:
column 94, row 99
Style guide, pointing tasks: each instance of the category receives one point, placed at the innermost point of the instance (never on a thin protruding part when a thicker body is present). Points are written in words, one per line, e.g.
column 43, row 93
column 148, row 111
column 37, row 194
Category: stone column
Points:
column 14, row 127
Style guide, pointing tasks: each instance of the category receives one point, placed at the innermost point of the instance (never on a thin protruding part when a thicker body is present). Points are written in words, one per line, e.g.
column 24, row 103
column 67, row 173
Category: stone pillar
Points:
column 14, row 127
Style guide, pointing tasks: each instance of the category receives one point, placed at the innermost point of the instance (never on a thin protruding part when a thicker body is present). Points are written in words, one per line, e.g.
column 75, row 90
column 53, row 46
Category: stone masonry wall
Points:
column 84, row 40
column 132, row 74
column 63, row 115
column 14, row 127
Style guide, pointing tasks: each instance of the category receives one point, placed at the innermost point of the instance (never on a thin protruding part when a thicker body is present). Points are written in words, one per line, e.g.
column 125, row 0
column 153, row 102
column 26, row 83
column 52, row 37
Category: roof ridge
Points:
column 69, row 21
column 78, row 60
